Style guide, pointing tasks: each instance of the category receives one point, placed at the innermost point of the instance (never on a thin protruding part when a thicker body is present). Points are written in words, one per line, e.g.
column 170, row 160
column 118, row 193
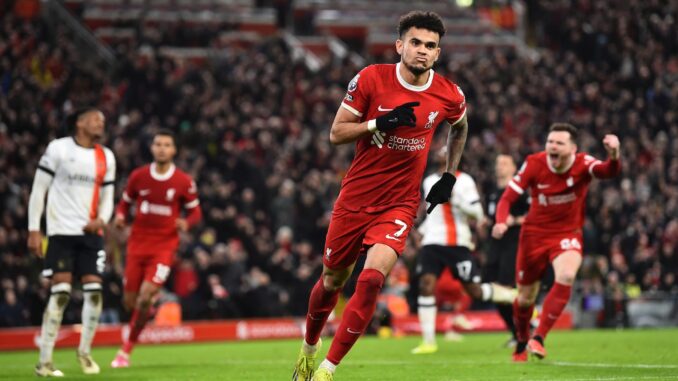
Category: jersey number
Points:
column 101, row 261
column 567, row 244
column 402, row 225
column 161, row 273
column 464, row 269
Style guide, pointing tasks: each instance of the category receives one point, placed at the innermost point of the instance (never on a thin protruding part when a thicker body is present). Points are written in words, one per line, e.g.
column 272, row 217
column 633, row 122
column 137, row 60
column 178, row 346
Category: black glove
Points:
column 441, row 191
column 402, row 115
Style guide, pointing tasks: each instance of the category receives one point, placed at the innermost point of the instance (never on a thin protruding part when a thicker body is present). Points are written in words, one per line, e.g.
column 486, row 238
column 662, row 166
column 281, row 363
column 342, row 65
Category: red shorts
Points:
column 537, row 250
column 350, row 234
column 154, row 268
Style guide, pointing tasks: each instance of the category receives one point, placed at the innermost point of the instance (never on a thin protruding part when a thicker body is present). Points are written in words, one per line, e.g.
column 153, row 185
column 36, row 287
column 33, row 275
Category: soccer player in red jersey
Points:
column 390, row 112
column 558, row 179
column 160, row 190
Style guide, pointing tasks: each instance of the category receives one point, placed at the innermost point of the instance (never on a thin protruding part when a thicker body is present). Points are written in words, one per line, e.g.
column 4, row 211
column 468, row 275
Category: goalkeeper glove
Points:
column 402, row 115
column 441, row 191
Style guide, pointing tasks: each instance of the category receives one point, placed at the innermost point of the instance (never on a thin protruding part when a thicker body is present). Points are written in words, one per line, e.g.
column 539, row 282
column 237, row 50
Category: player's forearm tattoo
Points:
column 456, row 139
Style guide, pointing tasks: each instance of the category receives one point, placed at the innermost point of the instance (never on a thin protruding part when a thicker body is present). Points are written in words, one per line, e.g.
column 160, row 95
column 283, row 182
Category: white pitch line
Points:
column 612, row 378
column 603, row 365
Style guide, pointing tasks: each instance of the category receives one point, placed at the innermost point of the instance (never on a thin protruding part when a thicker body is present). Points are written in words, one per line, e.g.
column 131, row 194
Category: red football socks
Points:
column 136, row 325
column 554, row 304
column 357, row 315
column 320, row 305
column 521, row 320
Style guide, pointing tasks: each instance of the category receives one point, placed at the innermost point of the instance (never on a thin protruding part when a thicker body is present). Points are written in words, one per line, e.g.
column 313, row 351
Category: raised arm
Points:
column 612, row 166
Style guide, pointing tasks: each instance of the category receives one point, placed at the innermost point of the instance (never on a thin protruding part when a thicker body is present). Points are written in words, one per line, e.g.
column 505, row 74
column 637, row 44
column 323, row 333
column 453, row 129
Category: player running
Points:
column 447, row 242
column 159, row 190
column 558, row 179
column 79, row 174
column 391, row 112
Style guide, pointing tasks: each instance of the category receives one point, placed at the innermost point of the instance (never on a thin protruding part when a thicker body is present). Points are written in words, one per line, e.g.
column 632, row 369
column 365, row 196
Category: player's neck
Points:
column 413, row 79
column 502, row 182
column 162, row 168
column 84, row 141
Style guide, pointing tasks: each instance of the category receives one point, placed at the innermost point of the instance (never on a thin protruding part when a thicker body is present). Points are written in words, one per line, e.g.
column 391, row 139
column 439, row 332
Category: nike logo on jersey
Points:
column 383, row 109
column 543, row 186
column 144, row 192
column 392, row 237
column 349, row 330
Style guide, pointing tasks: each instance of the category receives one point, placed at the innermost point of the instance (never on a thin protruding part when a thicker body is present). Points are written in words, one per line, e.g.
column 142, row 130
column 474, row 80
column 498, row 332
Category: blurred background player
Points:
column 501, row 253
column 447, row 242
column 391, row 112
column 78, row 173
column 159, row 190
column 558, row 179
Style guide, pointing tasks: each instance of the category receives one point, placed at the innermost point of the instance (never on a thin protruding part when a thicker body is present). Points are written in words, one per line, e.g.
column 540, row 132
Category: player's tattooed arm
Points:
column 456, row 139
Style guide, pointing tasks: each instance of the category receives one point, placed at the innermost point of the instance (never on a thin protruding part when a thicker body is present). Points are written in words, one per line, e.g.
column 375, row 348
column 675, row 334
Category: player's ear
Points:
column 399, row 46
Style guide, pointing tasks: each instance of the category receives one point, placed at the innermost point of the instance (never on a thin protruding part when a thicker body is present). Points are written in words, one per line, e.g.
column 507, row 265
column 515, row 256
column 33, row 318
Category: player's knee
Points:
column 371, row 278
column 427, row 285
column 566, row 277
column 525, row 299
column 474, row 291
column 332, row 282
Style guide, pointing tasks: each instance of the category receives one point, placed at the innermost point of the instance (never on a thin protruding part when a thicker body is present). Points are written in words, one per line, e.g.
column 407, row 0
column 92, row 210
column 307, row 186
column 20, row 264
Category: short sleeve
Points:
column 523, row 179
column 358, row 92
column 131, row 190
column 109, row 178
column 466, row 190
column 50, row 160
column 190, row 198
column 458, row 106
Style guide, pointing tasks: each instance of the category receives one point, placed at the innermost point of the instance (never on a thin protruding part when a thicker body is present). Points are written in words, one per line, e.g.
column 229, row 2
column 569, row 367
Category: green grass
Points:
column 576, row 355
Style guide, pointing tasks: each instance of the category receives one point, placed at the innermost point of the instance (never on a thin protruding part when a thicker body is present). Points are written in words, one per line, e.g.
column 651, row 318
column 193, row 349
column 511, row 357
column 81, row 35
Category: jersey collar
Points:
column 162, row 177
column 411, row 87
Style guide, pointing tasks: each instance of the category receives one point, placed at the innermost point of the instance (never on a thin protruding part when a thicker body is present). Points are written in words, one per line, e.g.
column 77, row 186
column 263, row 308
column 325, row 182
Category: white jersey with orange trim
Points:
column 80, row 188
column 448, row 223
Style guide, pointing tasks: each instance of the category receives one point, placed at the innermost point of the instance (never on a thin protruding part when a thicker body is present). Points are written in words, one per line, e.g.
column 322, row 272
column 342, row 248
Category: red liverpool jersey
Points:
column 558, row 199
column 388, row 166
column 159, row 199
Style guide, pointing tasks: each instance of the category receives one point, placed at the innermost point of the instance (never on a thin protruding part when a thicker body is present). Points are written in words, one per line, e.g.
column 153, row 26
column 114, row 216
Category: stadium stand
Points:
column 253, row 120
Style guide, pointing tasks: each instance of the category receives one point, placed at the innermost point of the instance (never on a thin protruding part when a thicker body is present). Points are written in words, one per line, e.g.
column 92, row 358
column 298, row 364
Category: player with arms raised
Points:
column 391, row 112
column 160, row 190
column 558, row 179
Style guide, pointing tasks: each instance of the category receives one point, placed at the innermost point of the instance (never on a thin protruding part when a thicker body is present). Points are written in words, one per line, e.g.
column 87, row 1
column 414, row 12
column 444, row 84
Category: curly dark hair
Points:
column 421, row 20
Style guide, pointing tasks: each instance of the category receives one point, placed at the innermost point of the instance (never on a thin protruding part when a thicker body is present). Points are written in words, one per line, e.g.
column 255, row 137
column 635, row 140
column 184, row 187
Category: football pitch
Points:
column 574, row 355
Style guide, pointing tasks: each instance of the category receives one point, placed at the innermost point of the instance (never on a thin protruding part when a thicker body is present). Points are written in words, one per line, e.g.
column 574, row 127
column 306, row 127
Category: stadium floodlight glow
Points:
column 464, row 3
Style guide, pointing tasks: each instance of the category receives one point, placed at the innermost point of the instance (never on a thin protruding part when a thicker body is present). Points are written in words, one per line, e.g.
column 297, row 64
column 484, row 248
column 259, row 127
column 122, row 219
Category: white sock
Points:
column 502, row 294
column 427, row 310
column 486, row 288
column 51, row 320
column 328, row 365
column 310, row 349
column 91, row 311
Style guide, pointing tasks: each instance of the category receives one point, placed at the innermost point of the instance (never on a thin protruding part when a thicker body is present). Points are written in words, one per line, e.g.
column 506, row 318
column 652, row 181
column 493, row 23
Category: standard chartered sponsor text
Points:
column 404, row 144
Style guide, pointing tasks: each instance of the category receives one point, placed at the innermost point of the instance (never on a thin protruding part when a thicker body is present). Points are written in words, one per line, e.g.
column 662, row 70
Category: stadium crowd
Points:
column 253, row 130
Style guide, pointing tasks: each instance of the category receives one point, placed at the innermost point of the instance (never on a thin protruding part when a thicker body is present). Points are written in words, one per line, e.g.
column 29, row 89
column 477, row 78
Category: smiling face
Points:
column 560, row 149
column 419, row 49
